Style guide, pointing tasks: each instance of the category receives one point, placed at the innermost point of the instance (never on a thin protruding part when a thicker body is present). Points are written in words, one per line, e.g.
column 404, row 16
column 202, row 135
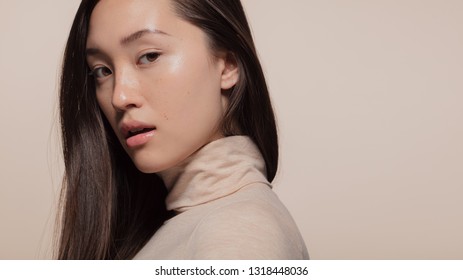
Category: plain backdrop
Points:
column 369, row 100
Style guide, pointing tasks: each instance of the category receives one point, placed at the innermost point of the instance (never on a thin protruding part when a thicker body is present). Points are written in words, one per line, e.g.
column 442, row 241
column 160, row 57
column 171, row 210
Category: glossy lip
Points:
column 138, row 139
column 128, row 126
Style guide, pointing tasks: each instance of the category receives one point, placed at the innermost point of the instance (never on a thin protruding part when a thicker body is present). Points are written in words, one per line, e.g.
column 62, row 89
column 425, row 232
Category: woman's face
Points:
column 157, row 81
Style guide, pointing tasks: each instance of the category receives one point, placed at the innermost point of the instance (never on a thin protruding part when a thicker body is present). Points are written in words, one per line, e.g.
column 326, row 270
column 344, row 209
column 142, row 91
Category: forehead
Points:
column 111, row 20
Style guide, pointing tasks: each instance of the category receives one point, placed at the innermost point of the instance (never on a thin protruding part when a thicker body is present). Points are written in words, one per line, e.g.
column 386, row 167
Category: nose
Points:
column 126, row 92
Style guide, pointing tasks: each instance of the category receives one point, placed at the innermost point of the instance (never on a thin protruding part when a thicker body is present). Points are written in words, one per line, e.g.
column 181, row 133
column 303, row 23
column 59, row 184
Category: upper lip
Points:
column 131, row 125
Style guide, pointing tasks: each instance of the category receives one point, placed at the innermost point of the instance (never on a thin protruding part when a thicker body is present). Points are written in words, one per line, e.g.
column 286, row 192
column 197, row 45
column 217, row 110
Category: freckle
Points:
column 165, row 117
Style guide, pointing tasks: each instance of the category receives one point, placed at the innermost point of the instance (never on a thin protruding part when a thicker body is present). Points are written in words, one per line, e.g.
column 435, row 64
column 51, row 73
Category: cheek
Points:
column 183, row 86
column 195, row 103
column 104, row 102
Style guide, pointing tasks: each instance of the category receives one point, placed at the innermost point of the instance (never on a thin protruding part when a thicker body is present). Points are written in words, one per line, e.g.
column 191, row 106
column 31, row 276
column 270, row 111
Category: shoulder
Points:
column 250, row 224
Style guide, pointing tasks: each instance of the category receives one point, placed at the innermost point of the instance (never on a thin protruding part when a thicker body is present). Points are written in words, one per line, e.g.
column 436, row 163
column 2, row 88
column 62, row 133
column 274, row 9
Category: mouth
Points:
column 138, row 131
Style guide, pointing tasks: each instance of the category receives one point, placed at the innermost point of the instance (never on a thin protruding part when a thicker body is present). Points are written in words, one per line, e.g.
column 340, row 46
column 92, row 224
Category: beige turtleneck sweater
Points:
column 225, row 209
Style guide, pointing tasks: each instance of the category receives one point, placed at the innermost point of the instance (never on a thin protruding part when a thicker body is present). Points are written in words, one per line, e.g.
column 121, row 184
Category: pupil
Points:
column 151, row 56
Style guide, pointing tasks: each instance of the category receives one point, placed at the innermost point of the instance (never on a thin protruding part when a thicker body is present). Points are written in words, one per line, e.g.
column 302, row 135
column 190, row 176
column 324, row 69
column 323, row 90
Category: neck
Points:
column 218, row 169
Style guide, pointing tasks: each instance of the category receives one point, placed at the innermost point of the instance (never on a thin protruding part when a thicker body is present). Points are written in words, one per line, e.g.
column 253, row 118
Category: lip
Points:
column 137, row 139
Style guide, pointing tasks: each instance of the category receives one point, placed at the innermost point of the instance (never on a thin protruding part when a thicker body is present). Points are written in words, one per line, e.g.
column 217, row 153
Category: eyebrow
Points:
column 129, row 39
column 137, row 35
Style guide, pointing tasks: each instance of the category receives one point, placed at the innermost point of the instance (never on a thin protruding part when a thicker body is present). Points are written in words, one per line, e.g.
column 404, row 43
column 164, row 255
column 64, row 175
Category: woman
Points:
column 169, row 137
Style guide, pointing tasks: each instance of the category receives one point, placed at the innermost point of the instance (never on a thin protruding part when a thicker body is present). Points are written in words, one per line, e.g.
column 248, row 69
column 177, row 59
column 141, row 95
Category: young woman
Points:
column 169, row 136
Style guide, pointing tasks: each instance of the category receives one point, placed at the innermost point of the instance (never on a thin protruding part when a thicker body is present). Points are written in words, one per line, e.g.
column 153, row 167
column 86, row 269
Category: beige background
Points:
column 369, row 97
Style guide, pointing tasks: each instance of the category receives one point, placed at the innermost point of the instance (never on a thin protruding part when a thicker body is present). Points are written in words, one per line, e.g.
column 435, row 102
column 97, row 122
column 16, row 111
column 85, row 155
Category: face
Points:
column 157, row 81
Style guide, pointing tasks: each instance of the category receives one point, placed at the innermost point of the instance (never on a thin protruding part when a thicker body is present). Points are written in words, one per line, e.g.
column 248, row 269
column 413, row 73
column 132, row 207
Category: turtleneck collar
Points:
column 218, row 169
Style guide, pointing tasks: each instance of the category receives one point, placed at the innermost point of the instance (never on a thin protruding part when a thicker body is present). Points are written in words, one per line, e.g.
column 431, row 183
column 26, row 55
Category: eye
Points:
column 148, row 58
column 101, row 72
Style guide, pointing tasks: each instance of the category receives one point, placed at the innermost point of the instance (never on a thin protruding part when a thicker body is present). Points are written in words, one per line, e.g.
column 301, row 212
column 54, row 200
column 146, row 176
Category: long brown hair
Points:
column 109, row 209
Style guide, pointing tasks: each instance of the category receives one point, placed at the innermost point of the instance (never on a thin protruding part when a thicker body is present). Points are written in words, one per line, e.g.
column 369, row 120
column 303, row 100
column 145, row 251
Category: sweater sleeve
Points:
column 247, row 230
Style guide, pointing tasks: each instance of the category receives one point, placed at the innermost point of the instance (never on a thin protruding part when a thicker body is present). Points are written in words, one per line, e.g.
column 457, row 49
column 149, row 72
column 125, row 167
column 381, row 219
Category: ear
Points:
column 230, row 71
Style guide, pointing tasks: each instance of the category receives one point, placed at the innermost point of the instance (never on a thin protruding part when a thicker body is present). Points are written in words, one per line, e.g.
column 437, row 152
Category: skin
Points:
column 167, row 78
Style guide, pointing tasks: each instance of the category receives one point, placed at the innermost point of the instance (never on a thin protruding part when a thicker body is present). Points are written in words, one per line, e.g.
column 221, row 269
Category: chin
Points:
column 149, row 160
column 145, row 170
column 149, row 167
column 147, row 163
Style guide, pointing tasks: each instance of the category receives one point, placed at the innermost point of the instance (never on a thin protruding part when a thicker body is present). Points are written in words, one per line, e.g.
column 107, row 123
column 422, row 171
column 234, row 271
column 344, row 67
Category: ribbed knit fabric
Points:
column 225, row 209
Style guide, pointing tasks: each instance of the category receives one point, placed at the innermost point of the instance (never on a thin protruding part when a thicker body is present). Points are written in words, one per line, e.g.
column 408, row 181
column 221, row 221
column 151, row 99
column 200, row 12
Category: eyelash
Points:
column 95, row 72
column 150, row 60
column 150, row 57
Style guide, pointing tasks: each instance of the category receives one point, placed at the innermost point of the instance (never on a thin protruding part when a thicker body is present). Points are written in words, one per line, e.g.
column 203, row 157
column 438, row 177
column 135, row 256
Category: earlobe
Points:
column 230, row 72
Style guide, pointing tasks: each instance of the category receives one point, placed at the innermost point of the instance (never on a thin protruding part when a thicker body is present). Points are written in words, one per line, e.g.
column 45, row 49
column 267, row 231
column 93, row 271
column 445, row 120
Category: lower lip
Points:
column 139, row 139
